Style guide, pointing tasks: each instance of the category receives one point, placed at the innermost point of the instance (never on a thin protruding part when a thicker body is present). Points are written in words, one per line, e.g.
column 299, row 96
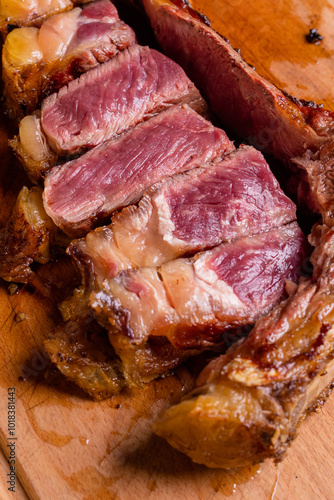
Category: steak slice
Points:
column 236, row 196
column 191, row 302
column 38, row 62
column 244, row 101
column 136, row 83
column 250, row 401
column 80, row 193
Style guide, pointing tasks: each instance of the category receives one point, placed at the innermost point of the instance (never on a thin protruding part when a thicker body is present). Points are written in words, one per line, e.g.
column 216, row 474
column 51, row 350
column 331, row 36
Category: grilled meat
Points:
column 249, row 402
column 115, row 174
column 244, row 101
column 38, row 62
column 230, row 198
column 135, row 84
column 191, row 302
column 26, row 237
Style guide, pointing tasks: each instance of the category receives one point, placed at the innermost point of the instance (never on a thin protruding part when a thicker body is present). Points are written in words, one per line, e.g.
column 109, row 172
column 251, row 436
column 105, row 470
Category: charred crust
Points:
column 313, row 351
column 185, row 5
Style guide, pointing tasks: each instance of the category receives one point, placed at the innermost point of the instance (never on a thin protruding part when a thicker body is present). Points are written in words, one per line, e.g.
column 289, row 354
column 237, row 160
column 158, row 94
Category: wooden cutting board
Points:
column 68, row 447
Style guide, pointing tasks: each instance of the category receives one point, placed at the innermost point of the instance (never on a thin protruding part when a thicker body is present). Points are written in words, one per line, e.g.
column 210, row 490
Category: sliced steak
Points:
column 36, row 63
column 249, row 402
column 15, row 14
column 81, row 192
column 244, row 101
column 136, row 83
column 191, row 302
column 187, row 213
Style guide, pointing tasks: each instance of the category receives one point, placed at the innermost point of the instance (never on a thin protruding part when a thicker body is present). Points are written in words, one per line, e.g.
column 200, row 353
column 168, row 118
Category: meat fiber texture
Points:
column 220, row 202
column 193, row 301
column 80, row 193
column 37, row 62
column 159, row 316
column 244, row 101
column 129, row 88
column 135, row 84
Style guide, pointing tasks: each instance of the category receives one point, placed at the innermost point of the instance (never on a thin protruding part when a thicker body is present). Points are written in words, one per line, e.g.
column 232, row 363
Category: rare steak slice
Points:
column 230, row 198
column 80, row 193
column 191, row 302
column 244, row 101
column 133, row 85
column 38, row 62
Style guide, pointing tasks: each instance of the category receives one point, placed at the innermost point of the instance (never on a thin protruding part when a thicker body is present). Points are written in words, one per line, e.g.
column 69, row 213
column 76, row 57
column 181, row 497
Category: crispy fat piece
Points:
column 81, row 351
column 26, row 237
column 40, row 158
column 249, row 402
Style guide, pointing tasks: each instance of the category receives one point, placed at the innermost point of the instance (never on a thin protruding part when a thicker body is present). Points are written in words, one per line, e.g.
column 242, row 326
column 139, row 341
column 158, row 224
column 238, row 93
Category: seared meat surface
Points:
column 82, row 353
column 249, row 401
column 26, row 237
column 244, row 102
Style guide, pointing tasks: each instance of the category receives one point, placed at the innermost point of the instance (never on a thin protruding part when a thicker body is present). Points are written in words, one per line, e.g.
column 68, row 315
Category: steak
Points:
column 244, row 101
column 36, row 63
column 230, row 198
column 136, row 83
column 195, row 300
column 249, row 402
column 80, row 193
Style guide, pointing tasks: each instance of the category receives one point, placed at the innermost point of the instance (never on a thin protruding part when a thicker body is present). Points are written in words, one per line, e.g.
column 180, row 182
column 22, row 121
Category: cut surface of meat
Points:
column 249, row 402
column 245, row 103
column 234, row 197
column 133, row 85
column 192, row 301
column 37, row 62
column 116, row 173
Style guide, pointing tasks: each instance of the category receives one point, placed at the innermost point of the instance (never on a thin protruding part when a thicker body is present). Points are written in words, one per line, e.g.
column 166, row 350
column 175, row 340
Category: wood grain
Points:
column 69, row 447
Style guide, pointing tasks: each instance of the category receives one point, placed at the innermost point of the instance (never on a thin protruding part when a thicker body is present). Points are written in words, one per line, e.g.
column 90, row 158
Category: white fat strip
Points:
column 32, row 139
column 211, row 282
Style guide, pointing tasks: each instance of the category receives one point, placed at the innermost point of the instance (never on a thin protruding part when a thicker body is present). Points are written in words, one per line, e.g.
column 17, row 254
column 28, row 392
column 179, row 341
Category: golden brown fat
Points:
column 31, row 148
